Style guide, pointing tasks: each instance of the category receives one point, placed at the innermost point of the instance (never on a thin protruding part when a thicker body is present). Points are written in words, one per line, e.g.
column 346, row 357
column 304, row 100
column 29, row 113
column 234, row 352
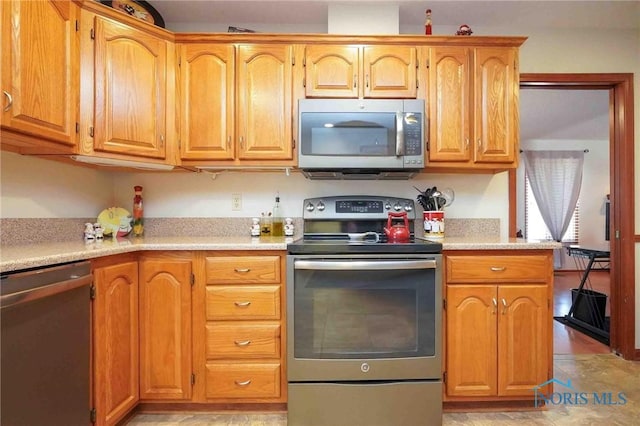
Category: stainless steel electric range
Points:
column 364, row 318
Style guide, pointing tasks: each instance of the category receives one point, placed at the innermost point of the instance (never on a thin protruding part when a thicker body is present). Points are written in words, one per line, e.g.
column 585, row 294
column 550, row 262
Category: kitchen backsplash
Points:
column 29, row 231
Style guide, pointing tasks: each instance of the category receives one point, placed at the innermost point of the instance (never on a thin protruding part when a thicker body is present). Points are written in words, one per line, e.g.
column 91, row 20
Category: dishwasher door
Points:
column 45, row 352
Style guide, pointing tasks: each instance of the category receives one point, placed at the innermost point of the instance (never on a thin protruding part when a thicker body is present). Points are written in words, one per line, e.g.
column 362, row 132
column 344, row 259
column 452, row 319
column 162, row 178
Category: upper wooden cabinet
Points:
column 130, row 70
column 473, row 107
column 345, row 71
column 40, row 78
column 236, row 103
column 207, row 101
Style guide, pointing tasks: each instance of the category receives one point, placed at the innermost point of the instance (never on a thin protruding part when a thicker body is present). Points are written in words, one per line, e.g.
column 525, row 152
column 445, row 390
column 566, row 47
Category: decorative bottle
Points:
column 138, row 212
column 277, row 222
column 427, row 23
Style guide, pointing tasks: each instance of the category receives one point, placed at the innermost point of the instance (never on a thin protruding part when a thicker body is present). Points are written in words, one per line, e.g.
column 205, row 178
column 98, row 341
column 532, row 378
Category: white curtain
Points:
column 555, row 178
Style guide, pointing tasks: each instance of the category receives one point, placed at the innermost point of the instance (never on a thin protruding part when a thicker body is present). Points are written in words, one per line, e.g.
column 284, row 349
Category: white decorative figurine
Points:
column 288, row 227
column 99, row 232
column 89, row 232
column 255, row 227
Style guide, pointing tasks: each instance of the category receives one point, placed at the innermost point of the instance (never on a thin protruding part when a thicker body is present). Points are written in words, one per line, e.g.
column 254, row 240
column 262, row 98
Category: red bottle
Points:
column 138, row 212
column 427, row 23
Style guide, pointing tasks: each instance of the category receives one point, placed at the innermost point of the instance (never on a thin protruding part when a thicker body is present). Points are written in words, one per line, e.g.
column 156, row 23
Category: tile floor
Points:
column 599, row 373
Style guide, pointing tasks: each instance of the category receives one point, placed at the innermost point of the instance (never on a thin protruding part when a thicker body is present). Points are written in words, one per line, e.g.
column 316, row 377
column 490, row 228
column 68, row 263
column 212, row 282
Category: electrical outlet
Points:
column 236, row 202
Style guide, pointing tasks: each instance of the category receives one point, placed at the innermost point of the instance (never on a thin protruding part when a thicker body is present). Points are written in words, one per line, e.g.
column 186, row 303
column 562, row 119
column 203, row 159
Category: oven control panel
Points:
column 356, row 206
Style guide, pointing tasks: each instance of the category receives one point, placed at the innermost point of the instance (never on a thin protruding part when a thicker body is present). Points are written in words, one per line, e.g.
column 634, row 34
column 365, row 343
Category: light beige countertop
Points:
column 17, row 257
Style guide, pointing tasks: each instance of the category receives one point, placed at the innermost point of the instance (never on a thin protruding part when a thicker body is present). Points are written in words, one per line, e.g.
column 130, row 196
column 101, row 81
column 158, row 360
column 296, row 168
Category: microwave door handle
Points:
column 399, row 134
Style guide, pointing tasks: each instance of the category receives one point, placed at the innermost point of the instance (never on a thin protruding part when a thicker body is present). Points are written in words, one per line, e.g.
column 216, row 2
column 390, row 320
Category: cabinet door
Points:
column 471, row 340
column 449, row 115
column 130, row 91
column 165, row 328
column 390, row 72
column 207, row 101
column 115, row 340
column 496, row 85
column 263, row 114
column 523, row 338
column 332, row 71
column 40, row 63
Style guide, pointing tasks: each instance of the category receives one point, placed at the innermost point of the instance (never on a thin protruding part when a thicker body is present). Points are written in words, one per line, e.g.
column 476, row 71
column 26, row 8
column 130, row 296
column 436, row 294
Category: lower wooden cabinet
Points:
column 498, row 325
column 244, row 337
column 115, row 338
column 165, row 326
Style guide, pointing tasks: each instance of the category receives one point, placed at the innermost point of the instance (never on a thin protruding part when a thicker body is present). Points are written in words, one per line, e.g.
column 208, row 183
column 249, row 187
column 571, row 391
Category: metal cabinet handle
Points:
column 504, row 307
column 498, row 268
column 229, row 142
column 355, row 80
column 479, row 144
column 242, row 342
column 467, row 144
column 245, row 383
column 242, row 270
column 10, row 99
column 242, row 304
column 495, row 306
column 161, row 141
column 367, row 80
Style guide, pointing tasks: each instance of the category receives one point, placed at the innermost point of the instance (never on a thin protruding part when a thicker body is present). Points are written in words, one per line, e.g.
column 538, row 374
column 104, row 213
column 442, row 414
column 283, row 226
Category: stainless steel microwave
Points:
column 378, row 138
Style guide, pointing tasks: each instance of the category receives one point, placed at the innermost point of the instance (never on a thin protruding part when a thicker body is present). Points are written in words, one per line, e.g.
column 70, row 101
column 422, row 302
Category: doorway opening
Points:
column 621, row 166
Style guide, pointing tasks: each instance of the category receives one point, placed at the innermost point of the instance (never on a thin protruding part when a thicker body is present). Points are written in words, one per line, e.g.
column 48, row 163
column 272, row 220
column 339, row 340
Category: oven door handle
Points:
column 366, row 265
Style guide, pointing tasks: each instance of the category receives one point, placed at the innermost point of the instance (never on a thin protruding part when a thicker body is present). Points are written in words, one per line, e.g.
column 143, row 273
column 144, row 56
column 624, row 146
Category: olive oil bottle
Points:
column 277, row 220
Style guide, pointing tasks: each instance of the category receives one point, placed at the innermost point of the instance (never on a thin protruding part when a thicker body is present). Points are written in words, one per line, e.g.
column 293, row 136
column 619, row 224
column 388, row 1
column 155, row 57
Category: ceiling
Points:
column 525, row 14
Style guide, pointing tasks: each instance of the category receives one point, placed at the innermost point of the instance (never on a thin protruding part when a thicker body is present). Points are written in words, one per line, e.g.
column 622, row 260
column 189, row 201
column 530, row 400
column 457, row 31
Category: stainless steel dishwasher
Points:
column 45, row 346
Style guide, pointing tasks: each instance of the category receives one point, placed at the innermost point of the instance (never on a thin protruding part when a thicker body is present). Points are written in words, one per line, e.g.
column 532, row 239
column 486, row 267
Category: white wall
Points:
column 198, row 195
column 36, row 188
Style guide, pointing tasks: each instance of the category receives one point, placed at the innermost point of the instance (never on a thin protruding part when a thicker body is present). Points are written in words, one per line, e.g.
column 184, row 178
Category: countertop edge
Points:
column 14, row 258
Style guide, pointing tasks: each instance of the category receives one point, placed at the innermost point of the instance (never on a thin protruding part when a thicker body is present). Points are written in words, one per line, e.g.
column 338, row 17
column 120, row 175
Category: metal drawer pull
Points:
column 242, row 270
column 242, row 304
column 10, row 99
column 504, row 306
column 498, row 268
column 495, row 306
column 242, row 342
column 245, row 383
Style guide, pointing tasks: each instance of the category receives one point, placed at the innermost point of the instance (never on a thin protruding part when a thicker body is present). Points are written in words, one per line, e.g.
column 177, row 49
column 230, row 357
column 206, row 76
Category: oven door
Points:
column 364, row 317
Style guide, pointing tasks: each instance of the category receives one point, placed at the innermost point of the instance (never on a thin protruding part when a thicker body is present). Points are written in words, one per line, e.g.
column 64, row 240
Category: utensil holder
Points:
column 433, row 224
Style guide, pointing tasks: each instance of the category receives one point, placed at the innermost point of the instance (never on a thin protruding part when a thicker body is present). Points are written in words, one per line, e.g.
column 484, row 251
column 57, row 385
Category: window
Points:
column 535, row 229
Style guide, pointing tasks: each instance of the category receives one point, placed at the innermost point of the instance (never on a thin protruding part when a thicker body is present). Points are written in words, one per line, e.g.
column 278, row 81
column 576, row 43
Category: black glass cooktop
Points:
column 347, row 246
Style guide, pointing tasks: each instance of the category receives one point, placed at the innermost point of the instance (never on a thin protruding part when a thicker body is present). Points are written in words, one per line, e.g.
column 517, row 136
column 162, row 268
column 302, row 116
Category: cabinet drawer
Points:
column 235, row 380
column 243, row 269
column 243, row 302
column 243, row 341
column 469, row 269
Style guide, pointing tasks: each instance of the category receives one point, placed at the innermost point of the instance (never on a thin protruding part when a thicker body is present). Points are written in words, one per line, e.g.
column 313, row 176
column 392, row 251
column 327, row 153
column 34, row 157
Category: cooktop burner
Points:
column 329, row 222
